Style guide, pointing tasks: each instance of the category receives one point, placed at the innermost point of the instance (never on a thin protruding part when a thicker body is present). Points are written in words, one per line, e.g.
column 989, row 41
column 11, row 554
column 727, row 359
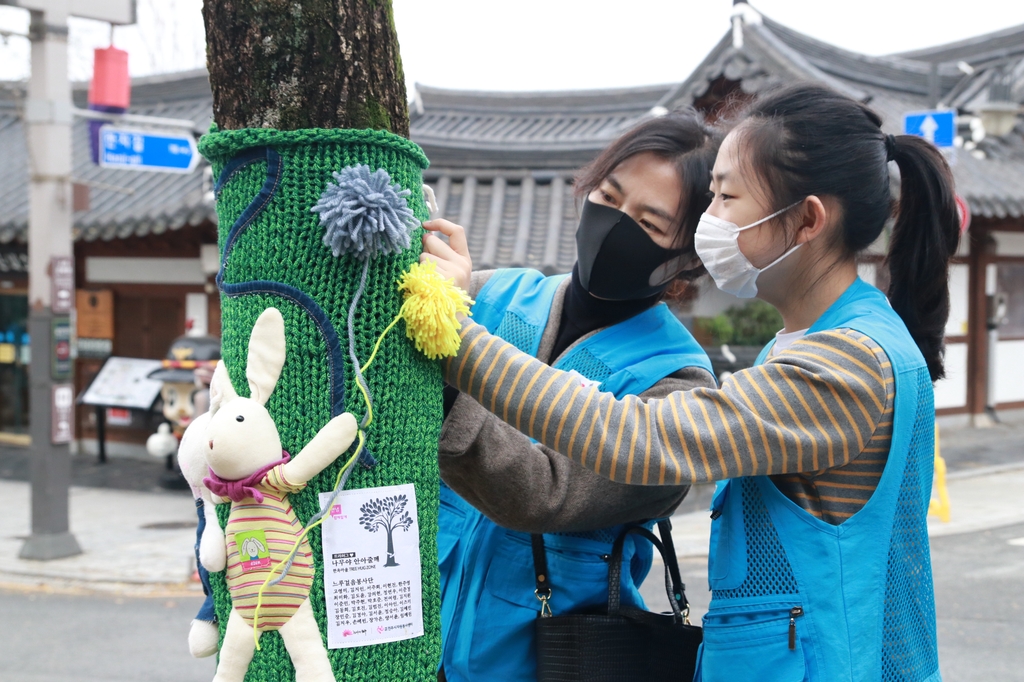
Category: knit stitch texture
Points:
column 276, row 257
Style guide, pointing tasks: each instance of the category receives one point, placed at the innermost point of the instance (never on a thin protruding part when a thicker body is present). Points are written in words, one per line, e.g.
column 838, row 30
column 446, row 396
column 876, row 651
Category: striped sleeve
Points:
column 276, row 482
column 811, row 408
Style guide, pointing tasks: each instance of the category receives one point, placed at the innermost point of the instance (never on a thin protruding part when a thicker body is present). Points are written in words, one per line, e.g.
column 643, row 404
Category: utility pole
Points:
column 48, row 116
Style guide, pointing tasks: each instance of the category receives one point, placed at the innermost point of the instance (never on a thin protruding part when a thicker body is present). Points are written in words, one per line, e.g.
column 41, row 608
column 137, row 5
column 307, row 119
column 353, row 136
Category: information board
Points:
column 122, row 382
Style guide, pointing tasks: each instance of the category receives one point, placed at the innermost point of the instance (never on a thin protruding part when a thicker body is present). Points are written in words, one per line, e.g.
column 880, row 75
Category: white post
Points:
column 48, row 129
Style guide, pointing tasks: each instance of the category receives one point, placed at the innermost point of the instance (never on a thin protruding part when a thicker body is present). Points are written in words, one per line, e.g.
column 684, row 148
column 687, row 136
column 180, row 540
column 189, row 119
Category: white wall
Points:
column 1009, row 243
column 1010, row 377
column 867, row 272
column 952, row 391
column 958, row 299
column 101, row 269
column 712, row 300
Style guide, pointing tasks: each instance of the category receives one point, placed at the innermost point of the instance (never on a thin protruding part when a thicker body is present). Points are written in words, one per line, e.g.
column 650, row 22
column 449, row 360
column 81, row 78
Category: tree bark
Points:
column 294, row 64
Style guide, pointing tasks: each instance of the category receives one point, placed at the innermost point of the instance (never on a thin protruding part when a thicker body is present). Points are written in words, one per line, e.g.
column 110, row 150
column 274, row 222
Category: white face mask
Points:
column 716, row 242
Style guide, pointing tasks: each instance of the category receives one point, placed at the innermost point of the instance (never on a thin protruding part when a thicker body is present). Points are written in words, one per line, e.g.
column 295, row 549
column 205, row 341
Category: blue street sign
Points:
column 147, row 150
column 938, row 127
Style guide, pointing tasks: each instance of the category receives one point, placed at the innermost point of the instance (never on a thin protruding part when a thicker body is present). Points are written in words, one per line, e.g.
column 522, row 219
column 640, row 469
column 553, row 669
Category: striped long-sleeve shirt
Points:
column 817, row 418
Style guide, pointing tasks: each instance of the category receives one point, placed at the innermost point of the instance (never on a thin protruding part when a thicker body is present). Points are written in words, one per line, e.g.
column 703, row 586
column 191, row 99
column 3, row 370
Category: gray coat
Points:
column 530, row 488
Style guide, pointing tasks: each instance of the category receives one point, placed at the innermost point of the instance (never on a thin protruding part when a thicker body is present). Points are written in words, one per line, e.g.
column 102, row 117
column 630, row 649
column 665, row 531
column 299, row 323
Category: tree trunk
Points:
column 309, row 64
column 296, row 84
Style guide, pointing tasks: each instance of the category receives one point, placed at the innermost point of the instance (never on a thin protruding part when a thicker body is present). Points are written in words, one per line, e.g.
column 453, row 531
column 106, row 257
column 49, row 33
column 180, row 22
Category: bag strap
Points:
column 674, row 586
column 540, row 570
column 678, row 590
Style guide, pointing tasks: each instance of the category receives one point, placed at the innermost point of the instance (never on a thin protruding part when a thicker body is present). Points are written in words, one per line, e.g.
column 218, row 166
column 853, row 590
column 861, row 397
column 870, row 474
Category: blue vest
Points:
column 488, row 607
column 865, row 586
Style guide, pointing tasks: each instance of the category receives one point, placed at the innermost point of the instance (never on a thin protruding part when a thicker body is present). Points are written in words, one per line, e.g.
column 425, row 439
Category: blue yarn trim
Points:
column 246, row 158
column 303, row 300
column 315, row 313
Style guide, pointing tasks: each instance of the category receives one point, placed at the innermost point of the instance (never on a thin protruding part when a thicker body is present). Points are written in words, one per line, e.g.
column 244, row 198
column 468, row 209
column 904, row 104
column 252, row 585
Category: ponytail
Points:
column 924, row 237
column 806, row 139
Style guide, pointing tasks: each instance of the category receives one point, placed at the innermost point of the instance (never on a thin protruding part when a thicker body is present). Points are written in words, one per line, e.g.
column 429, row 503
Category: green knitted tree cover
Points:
column 273, row 255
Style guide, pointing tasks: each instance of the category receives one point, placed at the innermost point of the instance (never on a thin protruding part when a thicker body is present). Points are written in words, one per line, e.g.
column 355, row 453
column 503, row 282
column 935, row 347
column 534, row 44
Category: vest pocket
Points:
column 763, row 644
column 727, row 555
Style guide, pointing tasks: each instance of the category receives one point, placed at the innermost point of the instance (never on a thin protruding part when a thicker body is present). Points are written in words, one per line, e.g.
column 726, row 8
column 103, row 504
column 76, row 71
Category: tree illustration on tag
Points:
column 388, row 513
column 253, row 553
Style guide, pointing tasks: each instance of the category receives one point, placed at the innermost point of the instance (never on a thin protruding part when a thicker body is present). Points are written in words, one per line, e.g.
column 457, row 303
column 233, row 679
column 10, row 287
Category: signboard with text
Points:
column 60, row 349
column 62, row 410
column 62, row 289
column 140, row 150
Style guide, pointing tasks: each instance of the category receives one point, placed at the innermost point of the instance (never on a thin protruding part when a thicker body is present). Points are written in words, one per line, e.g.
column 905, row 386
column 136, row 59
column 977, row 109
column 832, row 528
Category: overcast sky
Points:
column 548, row 44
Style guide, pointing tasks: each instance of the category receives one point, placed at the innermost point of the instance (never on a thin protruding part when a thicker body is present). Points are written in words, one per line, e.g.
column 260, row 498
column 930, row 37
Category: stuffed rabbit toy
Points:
column 203, row 635
column 248, row 465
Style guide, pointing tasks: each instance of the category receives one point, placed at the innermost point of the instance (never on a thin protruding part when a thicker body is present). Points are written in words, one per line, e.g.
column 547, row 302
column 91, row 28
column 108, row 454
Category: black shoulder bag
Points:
column 623, row 642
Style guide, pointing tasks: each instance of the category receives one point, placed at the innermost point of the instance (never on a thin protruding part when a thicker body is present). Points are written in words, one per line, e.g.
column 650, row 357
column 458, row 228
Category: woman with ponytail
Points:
column 506, row 499
column 819, row 563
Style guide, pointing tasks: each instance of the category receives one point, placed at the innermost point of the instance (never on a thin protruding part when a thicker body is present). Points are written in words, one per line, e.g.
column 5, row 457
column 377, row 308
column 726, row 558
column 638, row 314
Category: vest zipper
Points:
column 794, row 613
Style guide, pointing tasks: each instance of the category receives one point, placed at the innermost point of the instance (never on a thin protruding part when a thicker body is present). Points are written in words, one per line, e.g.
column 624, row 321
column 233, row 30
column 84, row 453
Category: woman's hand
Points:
column 452, row 259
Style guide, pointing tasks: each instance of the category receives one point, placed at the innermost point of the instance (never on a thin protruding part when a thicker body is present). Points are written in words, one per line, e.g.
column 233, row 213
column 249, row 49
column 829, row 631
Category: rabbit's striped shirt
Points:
column 817, row 418
column 275, row 517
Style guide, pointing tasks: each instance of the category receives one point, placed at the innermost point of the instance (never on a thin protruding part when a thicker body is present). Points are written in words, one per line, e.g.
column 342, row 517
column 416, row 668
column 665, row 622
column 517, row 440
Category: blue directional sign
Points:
column 147, row 150
column 938, row 126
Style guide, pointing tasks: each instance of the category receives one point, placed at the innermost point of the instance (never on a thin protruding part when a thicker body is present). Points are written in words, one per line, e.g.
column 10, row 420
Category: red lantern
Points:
column 111, row 86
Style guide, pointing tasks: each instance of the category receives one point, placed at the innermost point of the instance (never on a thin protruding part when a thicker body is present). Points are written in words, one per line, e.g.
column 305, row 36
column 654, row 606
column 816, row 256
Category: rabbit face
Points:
column 241, row 439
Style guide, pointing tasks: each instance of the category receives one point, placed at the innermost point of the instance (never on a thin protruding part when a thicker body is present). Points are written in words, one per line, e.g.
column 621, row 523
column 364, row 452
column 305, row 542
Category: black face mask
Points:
column 617, row 259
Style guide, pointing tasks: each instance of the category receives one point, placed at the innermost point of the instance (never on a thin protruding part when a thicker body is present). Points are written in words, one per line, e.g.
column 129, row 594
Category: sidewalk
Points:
column 141, row 538
column 131, row 541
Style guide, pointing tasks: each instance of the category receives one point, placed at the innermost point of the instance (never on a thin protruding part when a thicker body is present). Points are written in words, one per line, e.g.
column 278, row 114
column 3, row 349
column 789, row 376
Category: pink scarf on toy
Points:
column 238, row 490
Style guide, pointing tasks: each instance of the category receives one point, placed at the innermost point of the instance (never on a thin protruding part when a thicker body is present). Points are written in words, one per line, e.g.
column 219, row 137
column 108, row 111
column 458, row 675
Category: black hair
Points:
column 807, row 139
column 681, row 137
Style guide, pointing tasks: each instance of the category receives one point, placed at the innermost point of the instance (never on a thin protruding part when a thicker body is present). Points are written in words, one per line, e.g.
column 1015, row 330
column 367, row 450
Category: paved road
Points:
column 51, row 637
column 98, row 638
column 979, row 583
column 979, row 593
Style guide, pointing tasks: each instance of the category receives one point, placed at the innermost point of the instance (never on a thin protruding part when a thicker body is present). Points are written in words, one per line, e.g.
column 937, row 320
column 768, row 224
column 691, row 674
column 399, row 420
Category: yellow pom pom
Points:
column 430, row 309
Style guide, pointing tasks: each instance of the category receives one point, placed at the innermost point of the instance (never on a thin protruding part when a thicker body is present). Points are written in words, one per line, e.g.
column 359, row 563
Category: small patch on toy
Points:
column 364, row 214
column 430, row 309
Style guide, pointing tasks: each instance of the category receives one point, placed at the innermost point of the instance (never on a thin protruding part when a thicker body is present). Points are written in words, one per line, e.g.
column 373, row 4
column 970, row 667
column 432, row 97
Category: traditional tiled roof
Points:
column 122, row 203
column 990, row 176
column 525, row 219
column 502, row 163
column 977, row 50
column 562, row 129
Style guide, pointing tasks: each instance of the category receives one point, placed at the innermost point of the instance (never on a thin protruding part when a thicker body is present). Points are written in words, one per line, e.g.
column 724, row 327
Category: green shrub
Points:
column 718, row 328
column 753, row 324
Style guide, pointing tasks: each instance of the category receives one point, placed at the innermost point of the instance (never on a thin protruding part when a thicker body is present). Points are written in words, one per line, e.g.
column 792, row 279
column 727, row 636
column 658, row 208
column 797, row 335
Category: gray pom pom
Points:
column 364, row 214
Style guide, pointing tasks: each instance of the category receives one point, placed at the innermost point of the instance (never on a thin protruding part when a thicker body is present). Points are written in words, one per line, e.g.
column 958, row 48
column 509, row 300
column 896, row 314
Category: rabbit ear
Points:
column 221, row 390
column 266, row 355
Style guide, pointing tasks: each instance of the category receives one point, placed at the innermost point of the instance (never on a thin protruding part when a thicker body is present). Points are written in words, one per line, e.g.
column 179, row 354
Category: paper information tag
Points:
column 372, row 576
